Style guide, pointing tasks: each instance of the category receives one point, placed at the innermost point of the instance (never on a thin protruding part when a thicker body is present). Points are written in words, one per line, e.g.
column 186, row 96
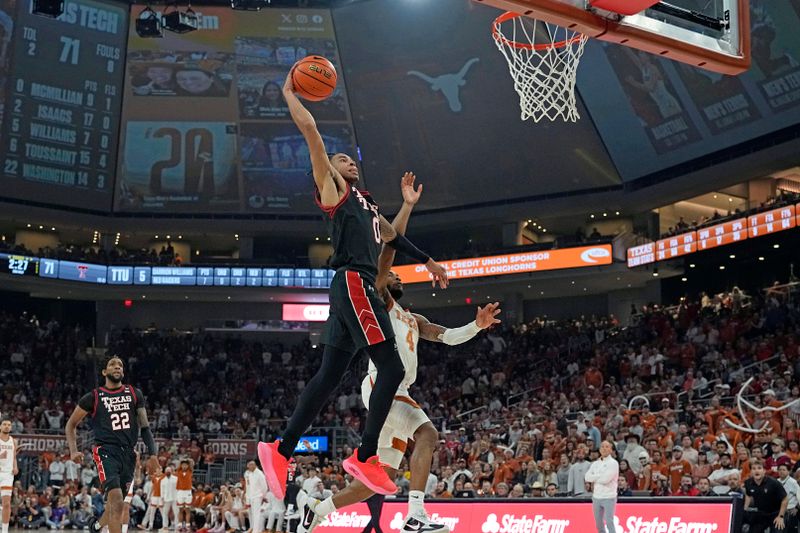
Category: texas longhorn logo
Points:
column 448, row 84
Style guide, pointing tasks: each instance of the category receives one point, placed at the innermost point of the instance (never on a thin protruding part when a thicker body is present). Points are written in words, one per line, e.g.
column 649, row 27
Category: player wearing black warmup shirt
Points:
column 118, row 414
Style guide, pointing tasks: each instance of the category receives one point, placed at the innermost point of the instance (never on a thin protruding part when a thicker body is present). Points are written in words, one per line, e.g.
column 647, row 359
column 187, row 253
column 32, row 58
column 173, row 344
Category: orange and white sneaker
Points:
column 276, row 467
column 371, row 473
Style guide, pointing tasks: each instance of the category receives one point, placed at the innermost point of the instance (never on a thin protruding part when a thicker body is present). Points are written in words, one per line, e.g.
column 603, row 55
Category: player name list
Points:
column 65, row 96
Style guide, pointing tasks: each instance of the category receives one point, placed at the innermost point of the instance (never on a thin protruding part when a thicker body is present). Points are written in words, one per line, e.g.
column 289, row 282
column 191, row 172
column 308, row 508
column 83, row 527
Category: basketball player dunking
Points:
column 406, row 418
column 117, row 412
column 358, row 319
column 8, row 468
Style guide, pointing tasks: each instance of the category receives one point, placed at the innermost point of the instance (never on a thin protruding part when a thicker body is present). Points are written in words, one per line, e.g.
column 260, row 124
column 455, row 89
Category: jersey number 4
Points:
column 410, row 340
column 120, row 421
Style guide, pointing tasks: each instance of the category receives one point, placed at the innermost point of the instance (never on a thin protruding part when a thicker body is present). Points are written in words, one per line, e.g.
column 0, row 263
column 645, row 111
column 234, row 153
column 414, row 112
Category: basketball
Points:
column 314, row 78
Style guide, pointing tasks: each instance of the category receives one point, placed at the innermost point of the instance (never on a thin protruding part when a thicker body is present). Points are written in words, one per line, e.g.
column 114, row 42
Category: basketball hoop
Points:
column 543, row 72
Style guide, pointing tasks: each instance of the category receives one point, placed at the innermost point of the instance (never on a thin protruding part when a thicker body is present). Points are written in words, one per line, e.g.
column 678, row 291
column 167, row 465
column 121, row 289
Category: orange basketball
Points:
column 314, row 78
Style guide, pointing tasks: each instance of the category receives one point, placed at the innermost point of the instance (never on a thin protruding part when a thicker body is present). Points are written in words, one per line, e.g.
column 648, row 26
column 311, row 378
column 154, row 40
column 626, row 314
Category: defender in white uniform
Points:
column 8, row 468
column 406, row 418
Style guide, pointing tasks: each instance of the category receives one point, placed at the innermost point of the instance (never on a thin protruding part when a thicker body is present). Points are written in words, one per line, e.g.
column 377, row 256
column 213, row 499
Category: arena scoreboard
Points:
column 59, row 133
column 194, row 276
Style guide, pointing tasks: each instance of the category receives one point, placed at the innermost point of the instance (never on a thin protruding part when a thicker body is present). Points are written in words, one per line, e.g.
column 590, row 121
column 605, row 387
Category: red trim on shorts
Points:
column 96, row 401
column 101, row 471
column 331, row 209
column 363, row 308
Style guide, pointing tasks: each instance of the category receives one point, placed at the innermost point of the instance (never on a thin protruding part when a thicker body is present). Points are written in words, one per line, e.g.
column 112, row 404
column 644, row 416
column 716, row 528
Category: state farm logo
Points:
column 593, row 254
column 397, row 522
column 637, row 524
column 511, row 524
column 339, row 519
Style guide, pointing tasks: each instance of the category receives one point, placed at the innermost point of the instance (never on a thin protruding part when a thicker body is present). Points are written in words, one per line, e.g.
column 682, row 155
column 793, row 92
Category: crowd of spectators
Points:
column 166, row 256
column 783, row 198
column 524, row 408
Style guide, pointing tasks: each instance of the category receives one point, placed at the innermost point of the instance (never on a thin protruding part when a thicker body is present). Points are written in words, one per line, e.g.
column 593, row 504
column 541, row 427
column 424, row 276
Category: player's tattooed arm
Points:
column 146, row 432
column 428, row 330
column 388, row 233
column 484, row 318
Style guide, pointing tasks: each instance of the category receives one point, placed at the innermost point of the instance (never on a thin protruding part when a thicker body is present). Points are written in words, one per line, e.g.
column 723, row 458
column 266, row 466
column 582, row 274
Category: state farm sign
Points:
column 541, row 516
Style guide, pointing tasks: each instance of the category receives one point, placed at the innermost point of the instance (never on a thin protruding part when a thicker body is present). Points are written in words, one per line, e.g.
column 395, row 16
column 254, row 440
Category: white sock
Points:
column 325, row 508
column 5, row 527
column 416, row 502
column 124, row 528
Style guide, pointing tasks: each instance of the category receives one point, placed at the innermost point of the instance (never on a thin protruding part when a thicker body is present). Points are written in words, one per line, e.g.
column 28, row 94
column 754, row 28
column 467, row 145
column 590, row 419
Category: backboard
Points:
column 710, row 34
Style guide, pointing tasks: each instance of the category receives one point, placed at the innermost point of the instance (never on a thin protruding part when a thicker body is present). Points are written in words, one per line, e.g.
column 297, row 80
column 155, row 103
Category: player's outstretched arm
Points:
column 400, row 224
column 390, row 236
column 485, row 318
column 327, row 179
column 71, row 431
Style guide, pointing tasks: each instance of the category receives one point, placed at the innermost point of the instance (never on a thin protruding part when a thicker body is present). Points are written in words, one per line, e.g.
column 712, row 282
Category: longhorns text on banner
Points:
column 501, row 265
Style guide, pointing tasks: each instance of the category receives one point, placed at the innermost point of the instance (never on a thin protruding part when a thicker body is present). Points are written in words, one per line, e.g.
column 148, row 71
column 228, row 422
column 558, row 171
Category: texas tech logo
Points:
column 117, row 403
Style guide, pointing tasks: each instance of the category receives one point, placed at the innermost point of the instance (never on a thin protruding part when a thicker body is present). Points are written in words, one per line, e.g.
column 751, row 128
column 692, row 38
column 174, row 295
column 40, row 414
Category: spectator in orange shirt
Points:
column 593, row 377
column 155, row 499
column 678, row 468
column 794, row 451
column 665, row 441
column 184, row 496
column 44, row 465
column 504, row 469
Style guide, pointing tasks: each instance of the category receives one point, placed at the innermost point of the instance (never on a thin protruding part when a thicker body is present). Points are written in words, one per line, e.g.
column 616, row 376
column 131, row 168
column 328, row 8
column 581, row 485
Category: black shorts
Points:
column 358, row 316
column 115, row 466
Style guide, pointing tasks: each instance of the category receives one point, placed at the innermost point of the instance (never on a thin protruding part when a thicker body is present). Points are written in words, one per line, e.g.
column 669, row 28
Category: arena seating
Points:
column 520, row 405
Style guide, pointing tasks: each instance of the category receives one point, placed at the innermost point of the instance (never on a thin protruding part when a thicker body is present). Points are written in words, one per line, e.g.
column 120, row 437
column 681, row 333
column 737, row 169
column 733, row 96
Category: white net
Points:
column 543, row 59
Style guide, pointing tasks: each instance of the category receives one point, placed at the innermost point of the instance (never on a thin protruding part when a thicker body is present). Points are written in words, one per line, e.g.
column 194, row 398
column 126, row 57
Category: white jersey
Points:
column 406, row 333
column 7, row 451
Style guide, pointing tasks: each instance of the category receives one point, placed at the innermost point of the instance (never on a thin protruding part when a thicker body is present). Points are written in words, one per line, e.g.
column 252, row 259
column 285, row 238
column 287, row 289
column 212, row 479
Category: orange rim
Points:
column 510, row 15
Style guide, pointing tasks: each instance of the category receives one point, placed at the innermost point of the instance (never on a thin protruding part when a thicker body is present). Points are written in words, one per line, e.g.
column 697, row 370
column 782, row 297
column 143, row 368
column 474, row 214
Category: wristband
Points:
column 401, row 244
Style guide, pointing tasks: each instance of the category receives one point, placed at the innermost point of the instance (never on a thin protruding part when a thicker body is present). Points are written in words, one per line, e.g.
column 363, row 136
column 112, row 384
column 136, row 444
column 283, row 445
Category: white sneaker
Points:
column 422, row 524
column 309, row 519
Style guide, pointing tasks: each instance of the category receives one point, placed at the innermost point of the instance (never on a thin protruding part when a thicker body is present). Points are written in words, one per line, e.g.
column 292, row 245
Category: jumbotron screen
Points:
column 60, row 81
column 205, row 128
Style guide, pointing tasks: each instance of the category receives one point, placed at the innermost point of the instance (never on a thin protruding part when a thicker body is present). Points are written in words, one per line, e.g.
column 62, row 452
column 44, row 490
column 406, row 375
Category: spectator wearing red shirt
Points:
column 777, row 458
column 686, row 488
column 678, row 469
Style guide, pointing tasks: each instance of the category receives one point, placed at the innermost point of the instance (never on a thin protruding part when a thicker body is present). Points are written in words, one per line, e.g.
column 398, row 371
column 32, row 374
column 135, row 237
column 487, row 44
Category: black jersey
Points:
column 113, row 413
column 355, row 232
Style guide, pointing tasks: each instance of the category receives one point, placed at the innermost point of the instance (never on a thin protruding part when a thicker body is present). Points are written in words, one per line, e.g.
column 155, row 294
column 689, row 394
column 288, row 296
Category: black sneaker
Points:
column 310, row 520
column 422, row 524
column 93, row 525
